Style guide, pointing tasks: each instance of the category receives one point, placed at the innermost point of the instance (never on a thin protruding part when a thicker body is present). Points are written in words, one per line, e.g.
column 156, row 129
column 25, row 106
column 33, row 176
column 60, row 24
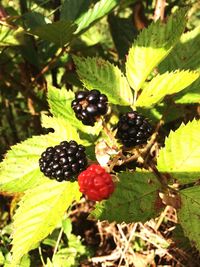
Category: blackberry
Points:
column 64, row 161
column 89, row 105
column 133, row 129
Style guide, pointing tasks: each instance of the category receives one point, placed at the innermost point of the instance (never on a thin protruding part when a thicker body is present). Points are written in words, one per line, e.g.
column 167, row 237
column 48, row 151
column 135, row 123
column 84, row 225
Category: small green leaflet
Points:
column 134, row 199
column 59, row 32
column 99, row 10
column 181, row 154
column 190, row 95
column 165, row 84
column 41, row 209
column 152, row 46
column 96, row 73
column 189, row 214
column 63, row 129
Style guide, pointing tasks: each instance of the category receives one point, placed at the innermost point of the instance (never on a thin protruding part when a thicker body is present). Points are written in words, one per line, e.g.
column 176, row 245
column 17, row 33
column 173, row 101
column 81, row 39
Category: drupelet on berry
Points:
column 133, row 129
column 64, row 161
column 96, row 183
column 89, row 105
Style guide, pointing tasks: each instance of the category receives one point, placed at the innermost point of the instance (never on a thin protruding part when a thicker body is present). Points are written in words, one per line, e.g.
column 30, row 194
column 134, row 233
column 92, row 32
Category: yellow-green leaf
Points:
column 63, row 129
column 165, row 84
column 152, row 46
column 100, row 9
column 181, row 154
column 40, row 210
column 96, row 73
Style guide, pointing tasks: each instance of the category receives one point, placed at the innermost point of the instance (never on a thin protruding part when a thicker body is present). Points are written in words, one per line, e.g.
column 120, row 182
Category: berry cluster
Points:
column 63, row 161
column 96, row 183
column 88, row 105
column 66, row 160
column 133, row 129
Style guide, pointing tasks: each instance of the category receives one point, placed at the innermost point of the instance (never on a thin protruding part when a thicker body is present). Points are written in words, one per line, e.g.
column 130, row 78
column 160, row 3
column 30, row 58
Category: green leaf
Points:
column 134, row 199
column 34, row 19
column 152, row 46
column 189, row 214
column 2, row 259
column 59, row 32
column 98, row 33
column 123, row 33
column 99, row 10
column 62, row 128
column 60, row 106
column 185, row 55
column 41, row 209
column 67, row 226
column 72, row 9
column 165, row 84
column 20, row 169
column 105, row 77
column 190, row 95
column 10, row 37
column 181, row 154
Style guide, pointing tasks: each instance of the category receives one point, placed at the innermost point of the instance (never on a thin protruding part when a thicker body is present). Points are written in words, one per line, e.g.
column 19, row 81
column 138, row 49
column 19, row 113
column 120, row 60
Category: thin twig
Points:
column 127, row 243
column 58, row 241
column 41, row 256
column 161, row 218
column 58, row 54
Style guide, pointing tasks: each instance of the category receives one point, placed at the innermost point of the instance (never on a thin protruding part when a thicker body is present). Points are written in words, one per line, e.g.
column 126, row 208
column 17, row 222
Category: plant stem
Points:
column 41, row 256
column 58, row 241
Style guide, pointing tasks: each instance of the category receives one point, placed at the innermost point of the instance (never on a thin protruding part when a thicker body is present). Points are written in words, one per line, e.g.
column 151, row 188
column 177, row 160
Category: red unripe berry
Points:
column 96, row 183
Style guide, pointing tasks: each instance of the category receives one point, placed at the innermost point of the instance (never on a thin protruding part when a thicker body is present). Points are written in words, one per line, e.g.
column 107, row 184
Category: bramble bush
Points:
column 158, row 77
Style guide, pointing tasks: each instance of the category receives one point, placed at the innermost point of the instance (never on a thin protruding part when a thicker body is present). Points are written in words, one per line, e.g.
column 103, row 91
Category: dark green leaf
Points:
column 185, row 55
column 189, row 214
column 133, row 200
column 72, row 9
column 123, row 33
column 59, row 32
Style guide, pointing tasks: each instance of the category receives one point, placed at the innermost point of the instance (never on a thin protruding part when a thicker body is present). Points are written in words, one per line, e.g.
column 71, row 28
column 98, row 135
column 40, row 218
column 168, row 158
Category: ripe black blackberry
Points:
column 133, row 129
column 89, row 105
column 64, row 161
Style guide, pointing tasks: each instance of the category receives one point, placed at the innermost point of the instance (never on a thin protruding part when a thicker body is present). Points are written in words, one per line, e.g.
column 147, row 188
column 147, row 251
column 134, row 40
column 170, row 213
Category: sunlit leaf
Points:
column 96, row 73
column 100, row 9
column 181, row 154
column 40, row 210
column 151, row 46
column 190, row 95
column 165, row 84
